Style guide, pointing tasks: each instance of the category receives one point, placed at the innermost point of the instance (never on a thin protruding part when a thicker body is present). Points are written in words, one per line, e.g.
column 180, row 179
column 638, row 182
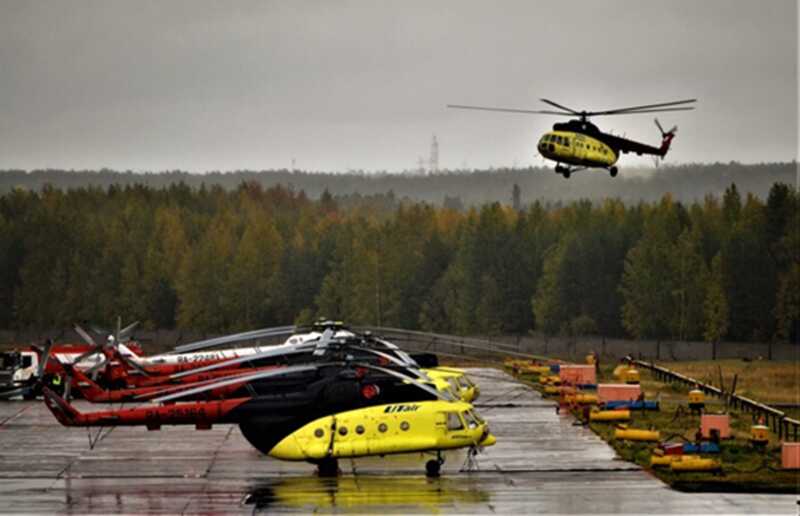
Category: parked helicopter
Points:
column 119, row 367
column 583, row 145
column 325, row 347
column 315, row 412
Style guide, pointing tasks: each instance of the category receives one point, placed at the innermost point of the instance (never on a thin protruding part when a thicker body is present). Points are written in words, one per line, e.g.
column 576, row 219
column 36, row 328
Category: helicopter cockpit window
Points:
column 566, row 142
column 454, row 422
column 471, row 422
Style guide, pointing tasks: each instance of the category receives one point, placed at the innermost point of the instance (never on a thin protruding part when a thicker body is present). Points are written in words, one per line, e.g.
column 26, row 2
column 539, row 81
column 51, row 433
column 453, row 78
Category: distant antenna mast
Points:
column 420, row 165
column 433, row 165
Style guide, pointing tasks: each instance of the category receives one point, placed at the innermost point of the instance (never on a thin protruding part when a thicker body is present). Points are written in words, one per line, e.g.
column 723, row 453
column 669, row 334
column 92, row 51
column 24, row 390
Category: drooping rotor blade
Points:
column 45, row 356
column 283, row 371
column 20, row 391
column 410, row 367
column 238, row 337
column 559, row 106
column 426, row 388
column 99, row 329
column 510, row 110
column 168, row 389
column 84, row 335
column 402, row 354
column 125, row 333
column 279, row 351
column 130, row 362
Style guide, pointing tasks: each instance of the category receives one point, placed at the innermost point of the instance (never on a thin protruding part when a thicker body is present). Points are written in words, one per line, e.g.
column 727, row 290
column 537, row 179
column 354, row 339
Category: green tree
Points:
column 715, row 307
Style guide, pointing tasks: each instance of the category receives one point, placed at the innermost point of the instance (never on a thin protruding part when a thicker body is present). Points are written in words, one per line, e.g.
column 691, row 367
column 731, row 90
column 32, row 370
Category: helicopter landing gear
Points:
column 434, row 466
column 613, row 171
column 328, row 467
column 567, row 171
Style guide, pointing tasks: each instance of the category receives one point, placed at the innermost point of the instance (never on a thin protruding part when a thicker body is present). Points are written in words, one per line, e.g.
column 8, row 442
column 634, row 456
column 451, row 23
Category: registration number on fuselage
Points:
column 391, row 409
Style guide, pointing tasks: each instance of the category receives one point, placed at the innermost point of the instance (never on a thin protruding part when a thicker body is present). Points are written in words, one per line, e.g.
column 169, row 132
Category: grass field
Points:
column 744, row 469
column 767, row 382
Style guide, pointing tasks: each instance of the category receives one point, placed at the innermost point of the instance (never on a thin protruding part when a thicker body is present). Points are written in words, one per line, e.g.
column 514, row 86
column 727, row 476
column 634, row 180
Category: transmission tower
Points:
column 433, row 165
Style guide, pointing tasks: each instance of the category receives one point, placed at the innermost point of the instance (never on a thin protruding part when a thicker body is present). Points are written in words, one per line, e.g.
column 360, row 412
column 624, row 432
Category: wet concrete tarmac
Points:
column 540, row 464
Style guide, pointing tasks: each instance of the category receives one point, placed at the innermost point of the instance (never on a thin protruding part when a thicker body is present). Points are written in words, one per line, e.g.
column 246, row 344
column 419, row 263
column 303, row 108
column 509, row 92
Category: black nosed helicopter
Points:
column 580, row 144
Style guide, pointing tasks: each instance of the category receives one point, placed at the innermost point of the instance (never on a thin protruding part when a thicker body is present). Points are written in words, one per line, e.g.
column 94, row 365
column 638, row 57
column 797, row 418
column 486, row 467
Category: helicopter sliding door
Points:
column 579, row 148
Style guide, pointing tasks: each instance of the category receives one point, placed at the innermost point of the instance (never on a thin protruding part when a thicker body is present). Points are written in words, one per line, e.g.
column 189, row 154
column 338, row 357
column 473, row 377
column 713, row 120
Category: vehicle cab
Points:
column 18, row 366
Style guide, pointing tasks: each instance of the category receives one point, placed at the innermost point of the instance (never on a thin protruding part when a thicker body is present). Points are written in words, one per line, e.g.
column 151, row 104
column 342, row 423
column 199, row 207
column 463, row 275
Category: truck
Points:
column 20, row 370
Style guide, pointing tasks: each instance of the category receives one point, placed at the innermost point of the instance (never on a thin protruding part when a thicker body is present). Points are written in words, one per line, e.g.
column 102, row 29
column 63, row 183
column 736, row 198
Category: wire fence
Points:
column 775, row 419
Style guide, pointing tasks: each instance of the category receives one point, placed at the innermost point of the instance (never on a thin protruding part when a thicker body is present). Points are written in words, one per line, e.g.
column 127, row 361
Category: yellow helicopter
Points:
column 457, row 381
column 388, row 429
column 580, row 144
column 338, row 411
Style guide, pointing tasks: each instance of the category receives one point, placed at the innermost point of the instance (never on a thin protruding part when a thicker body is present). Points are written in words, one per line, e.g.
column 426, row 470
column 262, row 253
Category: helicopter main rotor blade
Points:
column 237, row 337
column 643, row 111
column 510, row 110
column 426, row 388
column 43, row 359
column 559, row 106
column 410, row 367
column 84, row 335
column 240, row 379
column 645, row 106
column 124, row 334
column 244, row 359
column 172, row 388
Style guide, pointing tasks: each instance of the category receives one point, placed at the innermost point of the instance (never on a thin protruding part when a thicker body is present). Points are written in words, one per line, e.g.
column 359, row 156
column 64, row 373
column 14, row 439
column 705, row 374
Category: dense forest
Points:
column 215, row 259
column 686, row 183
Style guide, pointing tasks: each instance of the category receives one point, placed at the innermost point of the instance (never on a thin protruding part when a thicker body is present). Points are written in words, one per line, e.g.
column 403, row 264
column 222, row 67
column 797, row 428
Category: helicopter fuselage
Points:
column 576, row 149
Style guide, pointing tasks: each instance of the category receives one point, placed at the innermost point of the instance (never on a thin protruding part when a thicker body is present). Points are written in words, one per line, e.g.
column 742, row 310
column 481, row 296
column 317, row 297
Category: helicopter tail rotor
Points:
column 666, row 138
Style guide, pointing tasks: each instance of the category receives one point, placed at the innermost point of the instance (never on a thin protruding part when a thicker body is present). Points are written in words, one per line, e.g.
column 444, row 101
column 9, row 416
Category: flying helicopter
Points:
column 578, row 144
column 318, row 413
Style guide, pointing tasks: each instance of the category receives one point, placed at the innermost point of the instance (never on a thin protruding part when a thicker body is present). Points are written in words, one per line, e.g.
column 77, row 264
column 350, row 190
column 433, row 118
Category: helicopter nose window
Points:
column 454, row 422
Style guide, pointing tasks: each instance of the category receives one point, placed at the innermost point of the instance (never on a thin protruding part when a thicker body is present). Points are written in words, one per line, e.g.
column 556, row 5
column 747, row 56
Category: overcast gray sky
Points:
column 336, row 85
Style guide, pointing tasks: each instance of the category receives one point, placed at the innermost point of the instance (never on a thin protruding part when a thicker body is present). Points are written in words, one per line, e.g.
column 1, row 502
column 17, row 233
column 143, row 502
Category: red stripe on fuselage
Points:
column 191, row 413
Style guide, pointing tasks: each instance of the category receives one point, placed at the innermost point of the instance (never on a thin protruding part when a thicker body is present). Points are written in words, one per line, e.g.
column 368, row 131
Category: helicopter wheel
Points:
column 432, row 468
column 613, row 171
column 327, row 468
column 566, row 173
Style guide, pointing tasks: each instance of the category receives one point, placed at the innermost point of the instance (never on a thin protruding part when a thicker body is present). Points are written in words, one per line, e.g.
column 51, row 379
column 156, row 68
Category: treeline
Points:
column 686, row 183
column 218, row 260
